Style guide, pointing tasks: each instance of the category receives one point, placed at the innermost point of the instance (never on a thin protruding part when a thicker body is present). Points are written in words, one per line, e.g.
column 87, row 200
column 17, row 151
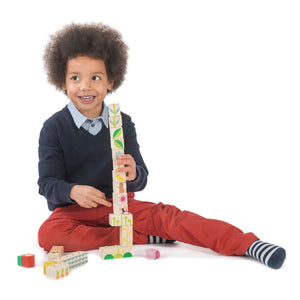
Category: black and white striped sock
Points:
column 158, row 240
column 268, row 254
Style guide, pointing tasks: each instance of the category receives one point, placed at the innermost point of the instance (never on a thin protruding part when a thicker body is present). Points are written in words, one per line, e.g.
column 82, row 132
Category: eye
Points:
column 96, row 77
column 74, row 78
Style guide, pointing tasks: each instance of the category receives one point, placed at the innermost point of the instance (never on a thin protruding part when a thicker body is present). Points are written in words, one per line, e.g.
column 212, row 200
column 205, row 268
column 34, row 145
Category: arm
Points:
column 52, row 176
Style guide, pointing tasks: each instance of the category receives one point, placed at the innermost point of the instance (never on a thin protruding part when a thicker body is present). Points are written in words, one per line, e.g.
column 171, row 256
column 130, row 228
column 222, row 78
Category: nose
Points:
column 85, row 85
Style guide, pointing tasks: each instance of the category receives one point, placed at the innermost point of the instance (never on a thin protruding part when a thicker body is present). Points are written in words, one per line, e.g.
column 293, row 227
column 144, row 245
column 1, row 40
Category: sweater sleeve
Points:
column 132, row 147
column 52, row 183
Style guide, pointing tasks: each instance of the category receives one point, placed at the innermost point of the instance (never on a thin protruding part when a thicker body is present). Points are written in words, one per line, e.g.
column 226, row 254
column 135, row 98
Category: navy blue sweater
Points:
column 69, row 156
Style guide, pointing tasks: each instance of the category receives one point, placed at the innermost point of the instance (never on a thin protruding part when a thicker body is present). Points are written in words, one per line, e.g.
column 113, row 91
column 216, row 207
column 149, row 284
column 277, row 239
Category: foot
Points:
column 268, row 254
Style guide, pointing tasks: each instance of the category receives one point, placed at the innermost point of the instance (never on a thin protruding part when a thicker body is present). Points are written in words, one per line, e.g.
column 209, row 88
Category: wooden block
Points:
column 117, row 144
column 119, row 198
column 116, row 133
column 116, row 153
column 115, row 121
column 114, row 109
column 53, row 255
column 47, row 264
column 119, row 187
column 57, row 249
column 28, row 260
column 74, row 259
column 126, row 236
column 119, row 176
column 58, row 270
column 120, row 220
column 120, row 209
column 20, row 260
column 114, row 252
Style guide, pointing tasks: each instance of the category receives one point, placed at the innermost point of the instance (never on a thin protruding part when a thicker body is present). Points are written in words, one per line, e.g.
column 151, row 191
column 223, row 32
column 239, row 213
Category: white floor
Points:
column 182, row 271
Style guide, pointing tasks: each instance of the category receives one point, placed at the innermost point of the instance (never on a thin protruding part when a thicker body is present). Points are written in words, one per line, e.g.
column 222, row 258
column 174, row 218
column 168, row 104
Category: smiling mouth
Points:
column 86, row 99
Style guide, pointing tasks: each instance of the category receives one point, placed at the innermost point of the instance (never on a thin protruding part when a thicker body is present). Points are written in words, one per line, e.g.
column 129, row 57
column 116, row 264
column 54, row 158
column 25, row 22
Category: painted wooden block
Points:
column 120, row 209
column 114, row 109
column 115, row 121
column 58, row 249
column 116, row 153
column 126, row 236
column 114, row 252
column 116, row 133
column 119, row 198
column 53, row 255
column 47, row 264
column 119, row 176
column 117, row 144
column 74, row 259
column 26, row 260
column 58, row 270
column 120, row 220
column 119, row 187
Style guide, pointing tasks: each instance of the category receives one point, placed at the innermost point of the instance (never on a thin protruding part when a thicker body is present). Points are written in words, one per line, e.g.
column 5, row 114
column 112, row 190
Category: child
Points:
column 88, row 62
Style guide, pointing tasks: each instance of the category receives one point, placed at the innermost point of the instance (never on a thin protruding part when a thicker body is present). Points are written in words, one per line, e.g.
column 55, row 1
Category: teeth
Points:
column 87, row 98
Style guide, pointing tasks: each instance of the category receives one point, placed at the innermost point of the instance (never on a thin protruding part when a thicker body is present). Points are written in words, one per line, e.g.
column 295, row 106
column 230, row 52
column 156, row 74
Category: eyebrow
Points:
column 76, row 73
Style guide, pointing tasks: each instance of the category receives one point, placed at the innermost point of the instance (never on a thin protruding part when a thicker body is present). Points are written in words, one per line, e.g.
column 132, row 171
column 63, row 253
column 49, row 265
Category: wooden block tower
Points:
column 120, row 216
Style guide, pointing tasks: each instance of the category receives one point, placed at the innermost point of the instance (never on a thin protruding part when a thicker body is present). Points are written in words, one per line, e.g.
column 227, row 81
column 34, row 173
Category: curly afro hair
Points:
column 95, row 40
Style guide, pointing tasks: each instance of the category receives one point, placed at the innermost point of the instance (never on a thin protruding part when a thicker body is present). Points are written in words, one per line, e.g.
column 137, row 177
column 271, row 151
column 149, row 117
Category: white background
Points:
column 213, row 88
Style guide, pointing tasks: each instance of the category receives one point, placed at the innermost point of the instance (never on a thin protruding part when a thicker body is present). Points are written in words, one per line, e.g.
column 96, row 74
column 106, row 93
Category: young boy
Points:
column 88, row 62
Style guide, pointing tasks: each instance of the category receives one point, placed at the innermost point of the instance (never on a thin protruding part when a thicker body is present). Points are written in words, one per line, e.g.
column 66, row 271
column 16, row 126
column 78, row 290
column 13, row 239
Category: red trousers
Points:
column 78, row 228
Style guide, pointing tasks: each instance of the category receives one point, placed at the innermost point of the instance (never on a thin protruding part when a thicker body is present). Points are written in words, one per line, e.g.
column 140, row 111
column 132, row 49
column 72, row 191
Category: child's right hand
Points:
column 87, row 196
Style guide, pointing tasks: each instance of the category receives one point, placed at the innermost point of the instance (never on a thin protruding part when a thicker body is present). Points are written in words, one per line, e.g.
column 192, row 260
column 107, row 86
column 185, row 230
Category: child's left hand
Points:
column 129, row 166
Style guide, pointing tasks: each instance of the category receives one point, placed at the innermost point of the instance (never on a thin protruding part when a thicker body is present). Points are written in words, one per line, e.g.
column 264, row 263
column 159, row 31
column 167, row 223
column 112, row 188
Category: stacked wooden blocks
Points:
column 59, row 265
column 120, row 216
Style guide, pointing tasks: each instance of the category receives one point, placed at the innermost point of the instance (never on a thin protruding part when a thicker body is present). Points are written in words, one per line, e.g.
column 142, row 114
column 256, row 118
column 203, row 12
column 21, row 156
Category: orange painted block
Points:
column 28, row 260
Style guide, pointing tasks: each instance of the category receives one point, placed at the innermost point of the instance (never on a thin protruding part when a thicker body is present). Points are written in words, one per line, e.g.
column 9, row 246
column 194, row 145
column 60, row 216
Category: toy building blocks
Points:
column 114, row 252
column 74, row 259
column 152, row 253
column 55, row 252
column 126, row 236
column 47, row 264
column 57, row 270
column 121, row 216
column 120, row 220
column 26, row 260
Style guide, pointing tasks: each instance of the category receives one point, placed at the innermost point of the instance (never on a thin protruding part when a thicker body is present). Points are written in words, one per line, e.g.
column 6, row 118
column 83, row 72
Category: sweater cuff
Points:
column 140, row 182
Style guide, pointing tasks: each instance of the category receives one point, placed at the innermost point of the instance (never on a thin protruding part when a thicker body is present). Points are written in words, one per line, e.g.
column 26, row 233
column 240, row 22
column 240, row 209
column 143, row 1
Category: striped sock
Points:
column 158, row 240
column 268, row 254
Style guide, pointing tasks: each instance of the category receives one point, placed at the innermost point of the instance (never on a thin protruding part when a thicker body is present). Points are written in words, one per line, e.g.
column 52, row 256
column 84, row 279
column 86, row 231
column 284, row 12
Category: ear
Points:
column 110, row 86
column 64, row 87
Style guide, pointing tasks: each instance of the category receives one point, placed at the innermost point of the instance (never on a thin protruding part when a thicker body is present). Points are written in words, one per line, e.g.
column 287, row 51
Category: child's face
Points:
column 87, row 84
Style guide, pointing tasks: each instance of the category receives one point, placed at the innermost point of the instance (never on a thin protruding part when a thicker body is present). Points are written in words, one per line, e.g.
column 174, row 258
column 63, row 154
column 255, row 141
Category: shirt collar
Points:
column 79, row 118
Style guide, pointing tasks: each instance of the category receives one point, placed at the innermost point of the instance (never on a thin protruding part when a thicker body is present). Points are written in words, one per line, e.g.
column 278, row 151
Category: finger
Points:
column 99, row 198
column 127, row 162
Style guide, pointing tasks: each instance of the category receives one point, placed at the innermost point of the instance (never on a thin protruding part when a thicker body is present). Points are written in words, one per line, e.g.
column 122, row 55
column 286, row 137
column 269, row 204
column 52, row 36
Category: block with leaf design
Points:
column 114, row 109
column 120, row 220
column 116, row 133
column 126, row 236
column 115, row 121
column 117, row 144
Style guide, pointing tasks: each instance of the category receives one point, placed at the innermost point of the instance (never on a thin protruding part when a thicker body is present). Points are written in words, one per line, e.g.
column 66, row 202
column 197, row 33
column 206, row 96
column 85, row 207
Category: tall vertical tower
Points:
column 120, row 216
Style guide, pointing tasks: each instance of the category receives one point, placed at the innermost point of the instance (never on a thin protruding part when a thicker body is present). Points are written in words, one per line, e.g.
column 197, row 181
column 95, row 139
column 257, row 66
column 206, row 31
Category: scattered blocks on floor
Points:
column 74, row 259
column 114, row 252
column 57, row 270
column 26, row 260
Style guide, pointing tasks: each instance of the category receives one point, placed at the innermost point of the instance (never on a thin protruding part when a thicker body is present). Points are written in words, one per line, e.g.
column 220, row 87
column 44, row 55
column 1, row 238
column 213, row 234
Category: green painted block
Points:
column 20, row 263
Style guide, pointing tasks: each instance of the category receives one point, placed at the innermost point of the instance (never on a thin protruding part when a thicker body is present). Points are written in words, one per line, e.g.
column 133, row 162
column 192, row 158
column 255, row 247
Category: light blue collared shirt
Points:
column 93, row 126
